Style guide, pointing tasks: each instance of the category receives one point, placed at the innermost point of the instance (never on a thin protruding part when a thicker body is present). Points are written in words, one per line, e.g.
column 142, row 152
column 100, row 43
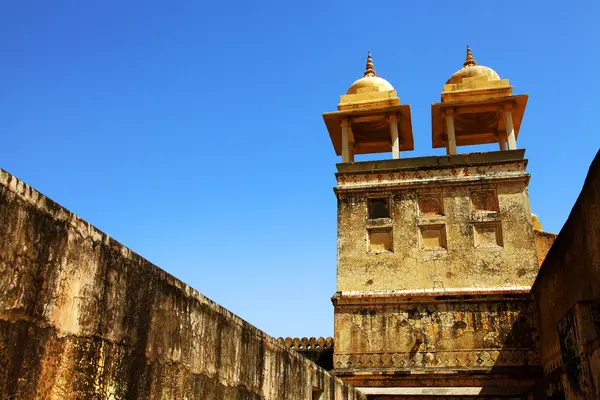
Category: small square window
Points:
column 488, row 235
column 379, row 208
column 380, row 240
column 433, row 237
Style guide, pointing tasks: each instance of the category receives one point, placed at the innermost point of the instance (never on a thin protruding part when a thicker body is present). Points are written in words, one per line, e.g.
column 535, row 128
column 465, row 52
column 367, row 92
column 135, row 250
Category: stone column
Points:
column 451, row 147
column 510, row 130
column 393, row 121
column 345, row 140
column 502, row 140
column 350, row 143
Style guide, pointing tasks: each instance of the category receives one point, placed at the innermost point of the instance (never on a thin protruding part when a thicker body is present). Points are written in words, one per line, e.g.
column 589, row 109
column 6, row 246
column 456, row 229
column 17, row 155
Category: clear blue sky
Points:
column 191, row 131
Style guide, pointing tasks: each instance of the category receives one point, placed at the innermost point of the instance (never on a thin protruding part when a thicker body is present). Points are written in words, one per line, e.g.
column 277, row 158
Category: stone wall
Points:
column 543, row 243
column 567, row 293
column 458, row 222
column 436, row 257
column 81, row 316
column 426, row 333
column 484, row 340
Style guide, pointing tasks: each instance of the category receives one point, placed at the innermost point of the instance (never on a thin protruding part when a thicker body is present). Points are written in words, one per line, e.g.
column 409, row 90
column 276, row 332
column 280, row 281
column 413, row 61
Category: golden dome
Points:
column 370, row 82
column 471, row 69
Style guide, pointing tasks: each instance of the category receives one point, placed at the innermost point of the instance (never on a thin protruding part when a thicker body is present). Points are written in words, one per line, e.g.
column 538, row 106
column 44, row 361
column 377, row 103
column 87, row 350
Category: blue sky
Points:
column 191, row 131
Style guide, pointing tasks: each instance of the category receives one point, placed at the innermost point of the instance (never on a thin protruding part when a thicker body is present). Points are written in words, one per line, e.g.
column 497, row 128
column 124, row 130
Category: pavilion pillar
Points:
column 510, row 129
column 502, row 140
column 347, row 153
column 451, row 146
column 350, row 144
column 393, row 121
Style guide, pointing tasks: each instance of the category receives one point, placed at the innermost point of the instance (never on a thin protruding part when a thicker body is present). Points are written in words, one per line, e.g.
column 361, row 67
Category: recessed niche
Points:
column 379, row 208
column 430, row 204
column 433, row 237
column 380, row 240
column 484, row 201
column 317, row 394
column 488, row 235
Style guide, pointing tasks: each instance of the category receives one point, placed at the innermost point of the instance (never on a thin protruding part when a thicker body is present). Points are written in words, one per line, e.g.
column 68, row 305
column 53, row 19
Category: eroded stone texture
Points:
column 483, row 213
column 81, row 316
column 447, row 302
column 475, row 331
column 567, row 293
column 543, row 243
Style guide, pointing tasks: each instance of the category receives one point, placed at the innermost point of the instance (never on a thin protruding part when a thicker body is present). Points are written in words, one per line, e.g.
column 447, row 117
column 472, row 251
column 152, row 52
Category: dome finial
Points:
column 470, row 61
column 370, row 71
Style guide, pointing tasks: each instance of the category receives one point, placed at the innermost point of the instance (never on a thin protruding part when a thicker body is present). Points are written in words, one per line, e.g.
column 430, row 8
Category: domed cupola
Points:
column 475, row 81
column 477, row 107
column 370, row 119
column 470, row 69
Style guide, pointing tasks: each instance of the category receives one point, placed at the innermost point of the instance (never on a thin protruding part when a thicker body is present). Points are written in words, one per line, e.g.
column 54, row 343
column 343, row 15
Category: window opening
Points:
column 379, row 208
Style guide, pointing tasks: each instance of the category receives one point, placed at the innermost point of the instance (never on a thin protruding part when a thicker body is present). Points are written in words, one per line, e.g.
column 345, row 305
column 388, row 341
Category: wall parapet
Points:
column 567, row 295
column 319, row 350
column 307, row 344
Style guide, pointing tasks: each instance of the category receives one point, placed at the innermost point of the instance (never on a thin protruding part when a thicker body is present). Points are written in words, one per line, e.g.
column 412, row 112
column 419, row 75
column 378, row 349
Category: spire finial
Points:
column 470, row 61
column 370, row 71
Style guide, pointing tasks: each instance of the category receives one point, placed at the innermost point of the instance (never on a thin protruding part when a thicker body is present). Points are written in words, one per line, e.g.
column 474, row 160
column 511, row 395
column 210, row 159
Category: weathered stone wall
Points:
column 567, row 293
column 543, row 243
column 436, row 334
column 490, row 339
column 434, row 290
column 81, row 316
column 463, row 224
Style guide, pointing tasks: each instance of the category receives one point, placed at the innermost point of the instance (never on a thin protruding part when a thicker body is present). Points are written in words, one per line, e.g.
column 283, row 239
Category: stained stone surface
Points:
column 567, row 294
column 83, row 317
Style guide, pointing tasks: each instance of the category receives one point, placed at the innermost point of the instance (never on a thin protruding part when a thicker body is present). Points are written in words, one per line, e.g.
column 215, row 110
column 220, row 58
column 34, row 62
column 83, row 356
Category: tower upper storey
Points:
column 459, row 222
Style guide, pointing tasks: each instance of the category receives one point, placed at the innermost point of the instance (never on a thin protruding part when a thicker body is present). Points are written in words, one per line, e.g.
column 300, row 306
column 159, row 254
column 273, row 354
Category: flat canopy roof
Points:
column 380, row 140
column 476, row 121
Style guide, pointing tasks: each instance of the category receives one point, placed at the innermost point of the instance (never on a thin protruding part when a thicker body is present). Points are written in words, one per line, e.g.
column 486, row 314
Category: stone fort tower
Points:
column 436, row 255
column 434, row 292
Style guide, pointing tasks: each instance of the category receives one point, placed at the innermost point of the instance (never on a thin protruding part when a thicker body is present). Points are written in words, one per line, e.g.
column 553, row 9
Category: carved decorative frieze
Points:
column 439, row 175
column 439, row 359
column 438, row 334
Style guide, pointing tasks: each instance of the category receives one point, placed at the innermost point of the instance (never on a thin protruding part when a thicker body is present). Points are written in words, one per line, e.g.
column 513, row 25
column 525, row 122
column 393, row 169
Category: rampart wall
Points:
column 82, row 316
column 567, row 293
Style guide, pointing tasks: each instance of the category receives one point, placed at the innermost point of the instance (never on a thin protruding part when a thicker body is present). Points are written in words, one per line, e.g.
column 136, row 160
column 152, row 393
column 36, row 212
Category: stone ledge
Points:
column 483, row 158
column 433, row 295
column 444, row 175
column 442, row 391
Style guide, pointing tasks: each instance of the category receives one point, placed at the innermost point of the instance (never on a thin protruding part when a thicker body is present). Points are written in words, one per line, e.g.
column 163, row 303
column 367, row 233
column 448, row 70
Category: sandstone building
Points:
column 447, row 287
column 437, row 255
